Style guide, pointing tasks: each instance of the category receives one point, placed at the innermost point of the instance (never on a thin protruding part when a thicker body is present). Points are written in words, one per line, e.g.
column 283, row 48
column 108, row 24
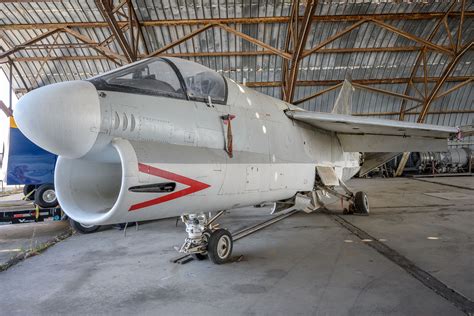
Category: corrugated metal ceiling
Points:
column 322, row 67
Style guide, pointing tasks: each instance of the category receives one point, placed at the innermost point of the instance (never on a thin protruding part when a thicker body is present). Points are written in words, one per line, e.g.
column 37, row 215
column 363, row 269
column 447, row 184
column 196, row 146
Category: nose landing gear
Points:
column 206, row 239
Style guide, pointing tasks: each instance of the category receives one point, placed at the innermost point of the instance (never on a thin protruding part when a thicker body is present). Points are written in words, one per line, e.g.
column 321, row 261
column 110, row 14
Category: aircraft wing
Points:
column 365, row 134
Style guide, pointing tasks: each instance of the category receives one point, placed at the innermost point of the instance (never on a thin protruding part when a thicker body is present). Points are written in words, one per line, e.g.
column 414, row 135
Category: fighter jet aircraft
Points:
column 165, row 137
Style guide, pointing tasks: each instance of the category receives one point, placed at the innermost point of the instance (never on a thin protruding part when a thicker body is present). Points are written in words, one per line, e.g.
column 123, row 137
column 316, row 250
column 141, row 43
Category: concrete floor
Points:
column 306, row 264
column 20, row 238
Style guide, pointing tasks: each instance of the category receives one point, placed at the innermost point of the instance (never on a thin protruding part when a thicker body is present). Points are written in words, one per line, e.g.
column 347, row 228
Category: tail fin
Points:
column 343, row 103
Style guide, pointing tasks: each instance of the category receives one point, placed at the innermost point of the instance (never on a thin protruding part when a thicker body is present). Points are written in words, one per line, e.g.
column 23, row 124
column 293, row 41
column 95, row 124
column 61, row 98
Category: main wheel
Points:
column 361, row 203
column 83, row 228
column 27, row 189
column 220, row 246
column 45, row 196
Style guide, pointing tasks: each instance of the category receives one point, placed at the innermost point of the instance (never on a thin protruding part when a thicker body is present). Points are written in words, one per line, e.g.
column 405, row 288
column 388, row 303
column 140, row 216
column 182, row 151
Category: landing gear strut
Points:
column 358, row 202
column 206, row 239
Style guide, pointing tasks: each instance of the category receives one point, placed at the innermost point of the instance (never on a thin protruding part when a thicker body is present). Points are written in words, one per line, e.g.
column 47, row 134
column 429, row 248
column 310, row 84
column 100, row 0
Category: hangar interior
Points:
column 409, row 61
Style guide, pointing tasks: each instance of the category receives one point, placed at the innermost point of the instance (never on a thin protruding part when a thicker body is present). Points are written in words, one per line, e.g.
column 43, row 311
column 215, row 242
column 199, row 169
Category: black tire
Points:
column 45, row 196
column 27, row 189
column 199, row 256
column 361, row 203
column 220, row 246
column 83, row 229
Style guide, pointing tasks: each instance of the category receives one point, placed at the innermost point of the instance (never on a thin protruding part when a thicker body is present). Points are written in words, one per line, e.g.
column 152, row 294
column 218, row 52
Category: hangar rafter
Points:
column 338, row 40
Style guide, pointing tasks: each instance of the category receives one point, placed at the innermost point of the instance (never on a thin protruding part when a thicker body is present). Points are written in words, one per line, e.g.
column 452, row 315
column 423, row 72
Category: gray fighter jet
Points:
column 164, row 137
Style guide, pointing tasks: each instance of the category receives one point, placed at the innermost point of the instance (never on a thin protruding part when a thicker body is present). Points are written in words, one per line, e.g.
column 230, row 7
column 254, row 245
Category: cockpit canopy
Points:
column 169, row 77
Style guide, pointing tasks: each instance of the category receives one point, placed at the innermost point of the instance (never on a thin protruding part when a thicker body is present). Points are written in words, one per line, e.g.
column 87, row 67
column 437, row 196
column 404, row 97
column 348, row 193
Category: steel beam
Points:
column 461, row 22
column 299, row 45
column 450, row 36
column 254, row 41
column 200, row 54
column 138, row 26
column 317, row 94
column 425, row 72
column 111, row 55
column 291, row 35
column 59, row 45
column 111, row 37
column 447, row 71
column 14, row 67
column 20, row 90
column 5, row 109
column 118, row 6
column 361, row 81
column 412, row 108
column 256, row 20
column 133, row 41
column 179, row 41
column 106, row 8
column 39, row 71
column 390, row 93
column 419, row 58
column 27, row 43
column 10, row 87
column 19, row 74
column 456, row 87
column 412, row 37
column 334, row 37
column 226, row 28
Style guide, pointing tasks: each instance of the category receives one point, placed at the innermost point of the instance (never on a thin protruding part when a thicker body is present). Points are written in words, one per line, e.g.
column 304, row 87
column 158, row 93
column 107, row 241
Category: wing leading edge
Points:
column 364, row 134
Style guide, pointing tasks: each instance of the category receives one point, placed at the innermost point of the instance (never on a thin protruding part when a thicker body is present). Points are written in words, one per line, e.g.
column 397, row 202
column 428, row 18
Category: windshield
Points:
column 170, row 77
column 201, row 82
column 154, row 76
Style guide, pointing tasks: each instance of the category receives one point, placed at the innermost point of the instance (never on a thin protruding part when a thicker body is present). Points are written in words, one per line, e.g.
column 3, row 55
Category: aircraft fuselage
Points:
column 156, row 157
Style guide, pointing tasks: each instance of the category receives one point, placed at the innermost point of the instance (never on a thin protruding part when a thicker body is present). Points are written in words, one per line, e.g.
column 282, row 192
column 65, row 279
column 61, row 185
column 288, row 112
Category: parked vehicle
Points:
column 33, row 167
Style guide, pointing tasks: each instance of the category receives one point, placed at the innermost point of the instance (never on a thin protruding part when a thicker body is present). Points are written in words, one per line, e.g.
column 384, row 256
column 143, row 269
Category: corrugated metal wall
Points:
column 262, row 68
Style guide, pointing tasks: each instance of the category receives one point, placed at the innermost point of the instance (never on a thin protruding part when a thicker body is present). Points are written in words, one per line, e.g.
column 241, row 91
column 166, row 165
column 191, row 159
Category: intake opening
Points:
column 88, row 188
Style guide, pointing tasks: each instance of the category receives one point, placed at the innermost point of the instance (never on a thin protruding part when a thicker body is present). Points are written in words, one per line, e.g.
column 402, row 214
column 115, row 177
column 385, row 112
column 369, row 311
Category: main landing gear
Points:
column 358, row 202
column 361, row 203
column 206, row 239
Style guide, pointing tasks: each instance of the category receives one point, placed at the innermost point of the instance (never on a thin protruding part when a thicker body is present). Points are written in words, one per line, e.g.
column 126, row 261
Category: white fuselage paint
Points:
column 274, row 157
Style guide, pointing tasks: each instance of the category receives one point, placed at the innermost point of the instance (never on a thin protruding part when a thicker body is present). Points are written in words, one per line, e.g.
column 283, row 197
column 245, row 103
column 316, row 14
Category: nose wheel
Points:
column 205, row 239
column 220, row 246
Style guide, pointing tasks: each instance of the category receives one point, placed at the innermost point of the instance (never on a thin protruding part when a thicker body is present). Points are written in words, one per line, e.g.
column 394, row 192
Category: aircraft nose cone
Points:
column 63, row 118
